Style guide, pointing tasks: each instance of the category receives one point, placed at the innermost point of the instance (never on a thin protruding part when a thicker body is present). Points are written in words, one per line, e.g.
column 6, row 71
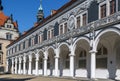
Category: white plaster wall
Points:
column 81, row 73
column 41, row 72
column 117, row 74
column 3, row 34
column 66, row 72
column 33, row 72
column 102, row 73
column 49, row 72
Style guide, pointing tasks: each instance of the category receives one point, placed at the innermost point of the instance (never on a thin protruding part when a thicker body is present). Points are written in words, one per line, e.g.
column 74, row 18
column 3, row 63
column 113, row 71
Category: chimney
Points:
column 53, row 12
column 24, row 32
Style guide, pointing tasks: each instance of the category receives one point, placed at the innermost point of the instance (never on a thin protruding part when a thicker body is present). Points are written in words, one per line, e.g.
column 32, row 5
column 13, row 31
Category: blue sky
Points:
column 24, row 11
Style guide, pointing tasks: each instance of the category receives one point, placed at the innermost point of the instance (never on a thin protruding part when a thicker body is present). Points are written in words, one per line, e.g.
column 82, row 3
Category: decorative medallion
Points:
column 71, row 22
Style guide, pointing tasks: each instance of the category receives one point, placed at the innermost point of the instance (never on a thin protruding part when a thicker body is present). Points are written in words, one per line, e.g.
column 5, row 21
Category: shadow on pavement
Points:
column 10, row 79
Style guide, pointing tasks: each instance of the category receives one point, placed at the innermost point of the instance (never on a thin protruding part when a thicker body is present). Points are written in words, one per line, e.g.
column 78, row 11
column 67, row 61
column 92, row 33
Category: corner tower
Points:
column 40, row 14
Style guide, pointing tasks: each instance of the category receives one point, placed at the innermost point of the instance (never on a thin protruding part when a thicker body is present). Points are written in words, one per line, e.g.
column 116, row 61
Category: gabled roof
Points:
column 4, row 18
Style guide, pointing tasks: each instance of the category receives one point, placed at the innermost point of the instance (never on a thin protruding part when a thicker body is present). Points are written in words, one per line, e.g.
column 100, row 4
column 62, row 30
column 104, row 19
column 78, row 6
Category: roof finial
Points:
column 1, row 7
column 40, row 14
column 40, row 8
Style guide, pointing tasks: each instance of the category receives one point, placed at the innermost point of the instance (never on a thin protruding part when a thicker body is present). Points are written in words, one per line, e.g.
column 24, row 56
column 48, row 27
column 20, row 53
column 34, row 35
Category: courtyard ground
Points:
column 9, row 77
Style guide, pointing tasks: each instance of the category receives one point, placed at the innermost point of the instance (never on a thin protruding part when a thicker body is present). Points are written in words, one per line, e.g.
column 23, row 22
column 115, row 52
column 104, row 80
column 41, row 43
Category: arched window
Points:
column 82, row 59
column 48, row 63
column 67, row 62
column 101, row 57
column 33, row 63
column 40, row 63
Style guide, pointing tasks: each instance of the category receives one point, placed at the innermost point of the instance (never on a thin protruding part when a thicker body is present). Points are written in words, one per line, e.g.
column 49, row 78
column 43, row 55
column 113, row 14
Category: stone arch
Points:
column 64, row 50
column 97, row 39
column 107, row 38
column 81, row 47
column 50, row 60
column 81, row 38
column 41, row 62
column 27, row 64
column 116, row 52
column 33, row 62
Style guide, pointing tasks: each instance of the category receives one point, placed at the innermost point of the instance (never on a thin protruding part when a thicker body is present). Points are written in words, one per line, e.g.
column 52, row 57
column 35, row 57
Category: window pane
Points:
column 84, row 19
column 61, row 29
column 101, row 63
column 103, row 11
column 78, row 22
column 112, row 7
column 65, row 27
column 82, row 64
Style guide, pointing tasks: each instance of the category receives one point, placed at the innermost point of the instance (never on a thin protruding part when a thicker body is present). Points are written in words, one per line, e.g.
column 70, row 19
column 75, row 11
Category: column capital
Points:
column 44, row 58
column 92, row 51
column 56, row 57
column 71, row 55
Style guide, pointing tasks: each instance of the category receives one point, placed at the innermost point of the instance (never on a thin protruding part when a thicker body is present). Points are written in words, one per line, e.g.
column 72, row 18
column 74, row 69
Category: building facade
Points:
column 81, row 39
column 8, row 32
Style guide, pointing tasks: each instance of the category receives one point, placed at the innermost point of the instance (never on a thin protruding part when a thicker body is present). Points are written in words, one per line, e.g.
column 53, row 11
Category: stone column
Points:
column 71, row 65
column 92, row 64
column 24, row 65
column 12, row 65
column 45, row 63
column 37, row 59
column 7, row 65
column 71, row 61
column 30, row 65
column 56, row 62
column 16, row 65
column 20, row 65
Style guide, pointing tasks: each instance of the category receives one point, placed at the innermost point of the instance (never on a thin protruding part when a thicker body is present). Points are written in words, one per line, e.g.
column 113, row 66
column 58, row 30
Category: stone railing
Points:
column 75, row 32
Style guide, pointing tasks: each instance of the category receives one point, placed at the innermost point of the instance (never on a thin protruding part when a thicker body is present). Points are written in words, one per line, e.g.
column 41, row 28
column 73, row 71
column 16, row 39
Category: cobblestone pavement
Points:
column 9, row 77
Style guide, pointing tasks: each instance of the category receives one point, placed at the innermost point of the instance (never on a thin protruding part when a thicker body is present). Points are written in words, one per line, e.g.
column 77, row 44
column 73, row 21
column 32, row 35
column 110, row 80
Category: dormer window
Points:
column 9, row 26
column 8, row 36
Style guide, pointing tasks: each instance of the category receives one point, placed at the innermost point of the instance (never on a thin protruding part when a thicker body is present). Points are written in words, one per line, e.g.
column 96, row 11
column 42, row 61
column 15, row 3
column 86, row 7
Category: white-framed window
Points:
column 40, row 37
column 103, row 9
column 78, row 21
column 40, row 63
column 82, row 59
column 112, row 6
column 101, row 57
column 33, row 39
column 82, row 19
column 63, row 28
column 8, row 36
column 48, row 63
column 67, row 62
column 50, row 33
